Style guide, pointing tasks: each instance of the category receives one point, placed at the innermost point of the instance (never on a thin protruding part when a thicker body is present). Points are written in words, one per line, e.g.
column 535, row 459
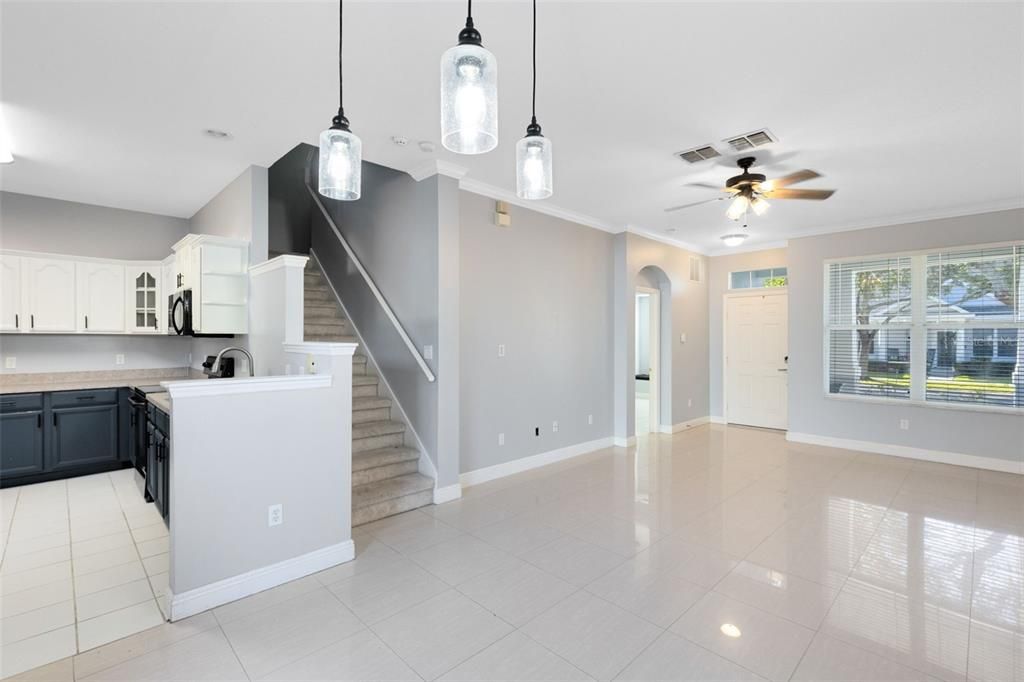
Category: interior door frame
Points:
column 726, row 297
column 654, row 340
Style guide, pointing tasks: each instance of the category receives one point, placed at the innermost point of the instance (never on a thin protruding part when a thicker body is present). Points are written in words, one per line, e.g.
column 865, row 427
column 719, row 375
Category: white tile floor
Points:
column 84, row 563
column 714, row 554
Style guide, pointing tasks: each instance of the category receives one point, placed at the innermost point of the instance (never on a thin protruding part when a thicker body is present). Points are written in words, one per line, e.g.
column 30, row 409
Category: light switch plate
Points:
column 119, row 359
column 10, row 362
column 275, row 515
column 428, row 352
column 501, row 350
column 682, row 338
column 501, row 439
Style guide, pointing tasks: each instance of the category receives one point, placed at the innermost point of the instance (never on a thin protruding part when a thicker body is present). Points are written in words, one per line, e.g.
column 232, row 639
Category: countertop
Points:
column 71, row 381
column 161, row 400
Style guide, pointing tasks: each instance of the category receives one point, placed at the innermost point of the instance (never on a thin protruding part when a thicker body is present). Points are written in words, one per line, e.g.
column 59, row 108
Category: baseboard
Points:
column 532, row 462
column 447, row 493
column 717, row 420
column 228, row 590
column 683, row 426
column 956, row 458
column 624, row 442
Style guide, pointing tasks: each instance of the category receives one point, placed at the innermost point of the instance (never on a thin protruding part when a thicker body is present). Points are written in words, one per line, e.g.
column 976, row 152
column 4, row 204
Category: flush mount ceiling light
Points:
column 469, row 94
column 533, row 152
column 217, row 134
column 341, row 152
column 734, row 239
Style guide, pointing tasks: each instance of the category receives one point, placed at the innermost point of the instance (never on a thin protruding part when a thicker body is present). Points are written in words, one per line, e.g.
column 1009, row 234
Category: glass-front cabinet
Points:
column 145, row 312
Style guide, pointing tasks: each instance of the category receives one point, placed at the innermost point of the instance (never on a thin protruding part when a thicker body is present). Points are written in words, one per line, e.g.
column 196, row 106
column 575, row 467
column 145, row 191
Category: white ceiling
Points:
column 908, row 109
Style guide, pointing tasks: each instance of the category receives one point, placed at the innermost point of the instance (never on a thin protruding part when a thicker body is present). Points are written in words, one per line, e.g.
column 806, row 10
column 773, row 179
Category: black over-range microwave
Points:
column 179, row 316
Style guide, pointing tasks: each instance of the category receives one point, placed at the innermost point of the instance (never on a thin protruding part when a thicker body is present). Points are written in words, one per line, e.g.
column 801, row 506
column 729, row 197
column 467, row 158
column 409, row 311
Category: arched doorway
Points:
column 651, row 361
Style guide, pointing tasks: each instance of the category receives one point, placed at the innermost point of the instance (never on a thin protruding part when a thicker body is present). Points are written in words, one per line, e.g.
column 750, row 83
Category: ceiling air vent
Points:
column 758, row 138
column 698, row 154
column 696, row 269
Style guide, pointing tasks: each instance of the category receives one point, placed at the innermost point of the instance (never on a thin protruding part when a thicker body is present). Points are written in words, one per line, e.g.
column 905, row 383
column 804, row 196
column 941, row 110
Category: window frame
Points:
column 772, row 269
column 919, row 329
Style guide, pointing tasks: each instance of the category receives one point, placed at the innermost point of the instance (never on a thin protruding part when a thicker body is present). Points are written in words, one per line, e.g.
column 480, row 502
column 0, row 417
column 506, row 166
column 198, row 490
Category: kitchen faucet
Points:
column 214, row 370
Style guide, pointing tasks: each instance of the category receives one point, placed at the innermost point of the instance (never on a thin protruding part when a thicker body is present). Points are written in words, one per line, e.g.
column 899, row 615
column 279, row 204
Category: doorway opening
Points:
column 647, row 336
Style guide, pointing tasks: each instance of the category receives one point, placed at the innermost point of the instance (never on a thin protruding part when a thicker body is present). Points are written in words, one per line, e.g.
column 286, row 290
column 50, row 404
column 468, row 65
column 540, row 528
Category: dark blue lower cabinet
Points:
column 84, row 436
column 21, row 444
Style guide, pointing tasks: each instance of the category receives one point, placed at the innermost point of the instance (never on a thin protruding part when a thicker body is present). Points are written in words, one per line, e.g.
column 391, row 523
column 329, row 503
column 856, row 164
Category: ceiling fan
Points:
column 751, row 190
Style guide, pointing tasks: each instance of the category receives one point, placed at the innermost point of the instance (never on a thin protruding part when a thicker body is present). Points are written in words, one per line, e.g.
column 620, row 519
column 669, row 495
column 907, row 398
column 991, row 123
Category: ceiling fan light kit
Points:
column 469, row 93
column 341, row 151
column 533, row 153
column 734, row 239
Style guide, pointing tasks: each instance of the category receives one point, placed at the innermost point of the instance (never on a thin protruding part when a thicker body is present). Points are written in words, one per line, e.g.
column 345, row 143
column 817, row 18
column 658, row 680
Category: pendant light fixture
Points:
column 469, row 94
column 341, row 152
column 533, row 152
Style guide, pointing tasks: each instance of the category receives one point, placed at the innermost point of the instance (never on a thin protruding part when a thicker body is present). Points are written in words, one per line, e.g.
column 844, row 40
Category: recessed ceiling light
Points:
column 734, row 239
column 217, row 134
column 730, row 630
column 426, row 146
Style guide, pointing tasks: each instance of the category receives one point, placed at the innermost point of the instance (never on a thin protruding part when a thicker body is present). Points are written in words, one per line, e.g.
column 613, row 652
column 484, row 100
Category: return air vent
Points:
column 696, row 269
column 758, row 138
column 698, row 154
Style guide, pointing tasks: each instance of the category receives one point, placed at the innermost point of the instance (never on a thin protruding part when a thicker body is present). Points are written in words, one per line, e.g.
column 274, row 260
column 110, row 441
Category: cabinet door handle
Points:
column 85, row 397
column 54, row 418
column 7, row 403
column 39, row 420
column 86, row 321
column 16, row 325
column 32, row 319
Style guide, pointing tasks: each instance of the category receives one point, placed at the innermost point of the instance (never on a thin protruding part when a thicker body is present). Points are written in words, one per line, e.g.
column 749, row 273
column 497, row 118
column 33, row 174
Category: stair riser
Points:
column 387, row 458
column 390, row 440
column 359, row 367
column 380, row 473
column 375, row 415
column 317, row 295
column 365, row 391
column 323, row 318
column 342, row 328
column 391, row 507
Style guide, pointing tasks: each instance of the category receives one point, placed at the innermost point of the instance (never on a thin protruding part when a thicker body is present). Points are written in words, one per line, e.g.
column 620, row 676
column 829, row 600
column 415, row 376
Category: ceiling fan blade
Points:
column 793, row 178
column 696, row 203
column 704, row 185
column 813, row 194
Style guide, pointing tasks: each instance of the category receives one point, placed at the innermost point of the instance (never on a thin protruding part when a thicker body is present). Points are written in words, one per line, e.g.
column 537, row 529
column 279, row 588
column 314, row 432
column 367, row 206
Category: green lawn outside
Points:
column 960, row 383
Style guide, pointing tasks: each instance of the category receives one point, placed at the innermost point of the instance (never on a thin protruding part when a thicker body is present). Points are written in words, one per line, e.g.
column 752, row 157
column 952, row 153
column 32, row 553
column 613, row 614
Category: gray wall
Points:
column 80, row 352
column 931, row 428
column 32, row 223
column 541, row 287
column 290, row 208
column 393, row 230
column 719, row 268
column 685, row 311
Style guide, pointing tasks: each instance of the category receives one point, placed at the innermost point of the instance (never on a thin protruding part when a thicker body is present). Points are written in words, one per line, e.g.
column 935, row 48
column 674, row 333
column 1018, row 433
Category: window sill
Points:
column 894, row 402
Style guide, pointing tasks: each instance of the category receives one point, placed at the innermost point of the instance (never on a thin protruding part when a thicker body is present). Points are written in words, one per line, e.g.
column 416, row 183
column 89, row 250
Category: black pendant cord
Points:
column 534, row 128
column 340, row 121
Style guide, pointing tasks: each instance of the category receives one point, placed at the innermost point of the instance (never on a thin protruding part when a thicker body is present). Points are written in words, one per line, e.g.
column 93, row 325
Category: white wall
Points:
column 719, row 268
column 991, row 435
column 81, row 353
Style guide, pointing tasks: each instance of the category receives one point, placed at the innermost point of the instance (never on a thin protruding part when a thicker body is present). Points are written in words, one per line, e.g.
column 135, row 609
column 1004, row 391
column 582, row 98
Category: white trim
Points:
column 678, row 243
column 956, row 458
column 620, row 442
column 228, row 590
column 437, row 167
column 683, row 426
column 201, row 389
column 286, row 260
column 321, row 348
column 715, row 419
column 516, row 466
column 493, row 192
column 447, row 493
column 936, row 404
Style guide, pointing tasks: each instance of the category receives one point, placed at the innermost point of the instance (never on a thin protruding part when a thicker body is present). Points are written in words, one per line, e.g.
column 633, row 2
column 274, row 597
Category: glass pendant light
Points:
column 469, row 94
column 341, row 152
column 759, row 205
column 533, row 152
column 738, row 207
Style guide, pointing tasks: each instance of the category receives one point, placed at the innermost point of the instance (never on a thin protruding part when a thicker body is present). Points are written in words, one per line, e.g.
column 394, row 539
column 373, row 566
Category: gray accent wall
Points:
column 719, row 268
column 543, row 289
column 394, row 231
column 985, row 434
column 684, row 310
column 31, row 223
column 290, row 209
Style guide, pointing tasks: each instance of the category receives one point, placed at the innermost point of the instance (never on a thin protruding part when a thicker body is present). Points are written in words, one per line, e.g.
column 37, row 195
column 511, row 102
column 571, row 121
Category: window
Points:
column 757, row 279
column 937, row 327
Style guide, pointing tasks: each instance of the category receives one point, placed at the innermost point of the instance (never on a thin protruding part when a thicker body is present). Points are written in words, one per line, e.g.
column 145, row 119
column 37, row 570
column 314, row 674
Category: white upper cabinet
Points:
column 48, row 294
column 100, row 297
column 145, row 294
column 10, row 294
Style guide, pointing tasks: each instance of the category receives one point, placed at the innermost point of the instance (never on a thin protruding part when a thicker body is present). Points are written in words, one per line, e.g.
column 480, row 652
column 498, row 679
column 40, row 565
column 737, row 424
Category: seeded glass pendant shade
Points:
column 341, row 151
column 534, row 179
column 469, row 94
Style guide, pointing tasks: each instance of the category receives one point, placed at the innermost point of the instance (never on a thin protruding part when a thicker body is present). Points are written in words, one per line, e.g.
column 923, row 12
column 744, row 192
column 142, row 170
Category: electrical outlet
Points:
column 590, row 419
column 904, row 424
column 10, row 362
column 554, row 427
column 689, row 402
column 501, row 350
column 119, row 359
column 501, row 439
column 275, row 515
column 428, row 352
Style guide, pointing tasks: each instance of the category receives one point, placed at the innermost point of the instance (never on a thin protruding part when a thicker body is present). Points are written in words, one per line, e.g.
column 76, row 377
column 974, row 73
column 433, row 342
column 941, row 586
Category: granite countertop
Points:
column 71, row 381
column 161, row 400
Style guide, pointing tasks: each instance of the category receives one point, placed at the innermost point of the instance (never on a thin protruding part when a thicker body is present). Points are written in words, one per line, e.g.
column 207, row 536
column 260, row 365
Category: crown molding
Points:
column 437, row 167
column 497, row 193
column 678, row 243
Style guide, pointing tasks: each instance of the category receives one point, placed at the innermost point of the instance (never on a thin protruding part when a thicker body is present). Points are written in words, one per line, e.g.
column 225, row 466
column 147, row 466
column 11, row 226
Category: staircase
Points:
column 385, row 479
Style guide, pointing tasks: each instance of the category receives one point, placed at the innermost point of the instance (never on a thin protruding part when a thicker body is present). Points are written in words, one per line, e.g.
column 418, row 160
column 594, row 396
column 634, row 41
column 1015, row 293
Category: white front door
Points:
column 756, row 350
